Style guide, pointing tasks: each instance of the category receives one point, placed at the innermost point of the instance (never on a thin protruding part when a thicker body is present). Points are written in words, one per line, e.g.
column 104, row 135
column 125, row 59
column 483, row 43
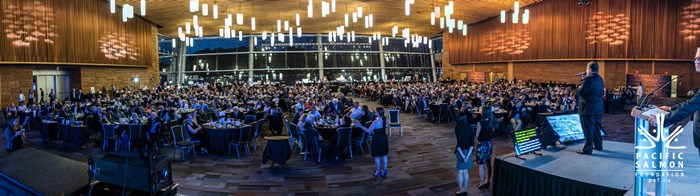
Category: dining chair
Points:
column 134, row 134
column 394, row 121
column 108, row 134
column 345, row 139
column 180, row 142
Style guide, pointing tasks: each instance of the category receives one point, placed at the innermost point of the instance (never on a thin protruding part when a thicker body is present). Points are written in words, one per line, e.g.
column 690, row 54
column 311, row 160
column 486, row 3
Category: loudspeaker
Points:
column 133, row 172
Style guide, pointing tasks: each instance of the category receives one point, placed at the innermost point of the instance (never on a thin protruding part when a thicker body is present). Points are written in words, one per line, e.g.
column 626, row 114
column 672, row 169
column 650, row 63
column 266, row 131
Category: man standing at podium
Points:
column 685, row 109
column 590, row 99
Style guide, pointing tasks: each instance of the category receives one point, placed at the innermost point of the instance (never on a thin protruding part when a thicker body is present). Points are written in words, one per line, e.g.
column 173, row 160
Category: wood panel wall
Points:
column 72, row 32
column 558, row 30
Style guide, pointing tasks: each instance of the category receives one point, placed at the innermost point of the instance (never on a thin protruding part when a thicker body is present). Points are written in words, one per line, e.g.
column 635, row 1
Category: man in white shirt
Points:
column 356, row 112
column 21, row 97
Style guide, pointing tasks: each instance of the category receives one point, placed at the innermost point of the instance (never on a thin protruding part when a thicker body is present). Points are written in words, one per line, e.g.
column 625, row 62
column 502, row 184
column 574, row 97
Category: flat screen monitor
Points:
column 526, row 141
column 568, row 127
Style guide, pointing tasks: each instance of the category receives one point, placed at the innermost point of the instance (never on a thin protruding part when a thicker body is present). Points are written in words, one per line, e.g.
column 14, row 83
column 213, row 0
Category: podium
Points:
column 641, row 124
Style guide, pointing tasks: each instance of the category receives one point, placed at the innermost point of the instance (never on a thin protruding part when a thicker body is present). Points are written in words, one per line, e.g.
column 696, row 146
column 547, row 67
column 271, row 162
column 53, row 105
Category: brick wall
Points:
column 12, row 80
column 105, row 76
column 549, row 71
column 614, row 72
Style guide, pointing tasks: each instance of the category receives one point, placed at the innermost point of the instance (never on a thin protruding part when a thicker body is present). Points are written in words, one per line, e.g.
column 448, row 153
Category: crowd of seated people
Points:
column 190, row 106
column 509, row 99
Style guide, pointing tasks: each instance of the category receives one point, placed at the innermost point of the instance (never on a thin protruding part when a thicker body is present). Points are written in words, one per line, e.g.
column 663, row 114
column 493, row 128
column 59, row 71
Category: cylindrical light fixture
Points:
column 515, row 17
column 143, row 7
column 503, row 16
column 298, row 31
column 239, row 18
column 264, row 35
column 174, row 43
column 354, row 17
column 347, row 19
column 252, row 23
column 112, row 6
column 432, row 18
column 442, row 22
column 407, row 8
column 371, row 20
column 298, row 19
column 279, row 25
column 205, row 9
column 526, row 16
column 240, row 35
column 188, row 27
column 333, row 6
column 215, row 9
column 286, row 24
column 359, row 12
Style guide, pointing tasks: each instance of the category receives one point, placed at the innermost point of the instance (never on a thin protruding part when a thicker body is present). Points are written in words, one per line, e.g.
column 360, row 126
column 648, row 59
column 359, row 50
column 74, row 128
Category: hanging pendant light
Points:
column 201, row 31
column 347, row 19
column 255, row 41
column 205, row 9
column 437, row 11
column 333, row 6
column 215, row 10
column 515, row 18
column 442, row 22
column 503, row 16
column 366, row 22
column 407, row 8
column 233, row 33
column 310, row 9
column 221, row 32
column 286, row 24
column 459, row 24
column 143, row 7
column 359, row 12
column 298, row 31
column 298, row 19
column 526, row 16
column 516, row 7
column 291, row 36
column 272, row 39
column 112, row 6
column 280, row 37
column 432, row 18
column 371, row 20
column 188, row 27
column 239, row 18
column 240, row 35
column 264, row 35
column 252, row 23
column 354, row 17
column 464, row 30
column 279, row 25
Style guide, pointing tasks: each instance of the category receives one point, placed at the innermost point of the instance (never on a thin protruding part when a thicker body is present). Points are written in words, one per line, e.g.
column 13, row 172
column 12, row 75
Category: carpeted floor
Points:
column 421, row 163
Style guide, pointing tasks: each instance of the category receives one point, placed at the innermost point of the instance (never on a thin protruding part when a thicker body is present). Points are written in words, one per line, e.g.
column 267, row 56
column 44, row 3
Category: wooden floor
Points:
column 420, row 163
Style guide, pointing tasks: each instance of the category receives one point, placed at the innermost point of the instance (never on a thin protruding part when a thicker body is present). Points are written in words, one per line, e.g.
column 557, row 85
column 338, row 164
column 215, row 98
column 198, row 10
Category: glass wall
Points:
column 167, row 59
column 306, row 60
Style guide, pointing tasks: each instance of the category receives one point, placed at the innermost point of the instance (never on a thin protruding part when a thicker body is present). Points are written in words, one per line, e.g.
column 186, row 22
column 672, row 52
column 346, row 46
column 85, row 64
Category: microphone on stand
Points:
column 644, row 102
column 581, row 74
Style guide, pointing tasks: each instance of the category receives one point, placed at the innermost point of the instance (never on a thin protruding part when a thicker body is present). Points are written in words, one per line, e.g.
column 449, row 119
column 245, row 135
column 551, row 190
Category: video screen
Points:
column 568, row 127
column 526, row 141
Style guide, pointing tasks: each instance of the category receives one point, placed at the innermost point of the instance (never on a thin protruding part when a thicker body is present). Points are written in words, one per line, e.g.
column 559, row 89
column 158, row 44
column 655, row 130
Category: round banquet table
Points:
column 277, row 150
column 49, row 130
column 328, row 132
column 219, row 138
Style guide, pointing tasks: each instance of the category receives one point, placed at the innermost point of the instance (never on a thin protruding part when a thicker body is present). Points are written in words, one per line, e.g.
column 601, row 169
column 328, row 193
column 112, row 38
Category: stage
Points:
column 34, row 172
column 562, row 171
column 689, row 184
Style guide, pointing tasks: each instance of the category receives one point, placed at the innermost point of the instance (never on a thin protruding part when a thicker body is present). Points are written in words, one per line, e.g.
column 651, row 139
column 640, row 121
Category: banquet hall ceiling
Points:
column 171, row 14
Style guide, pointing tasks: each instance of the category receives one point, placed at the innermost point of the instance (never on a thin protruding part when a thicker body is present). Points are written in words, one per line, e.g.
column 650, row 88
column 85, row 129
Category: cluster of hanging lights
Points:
column 445, row 19
column 516, row 14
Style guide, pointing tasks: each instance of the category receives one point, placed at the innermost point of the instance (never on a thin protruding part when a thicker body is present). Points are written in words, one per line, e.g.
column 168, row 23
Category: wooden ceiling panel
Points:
column 171, row 14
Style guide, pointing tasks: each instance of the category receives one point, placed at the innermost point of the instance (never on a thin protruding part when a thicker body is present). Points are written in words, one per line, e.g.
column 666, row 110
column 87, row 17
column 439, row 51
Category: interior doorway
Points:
column 47, row 80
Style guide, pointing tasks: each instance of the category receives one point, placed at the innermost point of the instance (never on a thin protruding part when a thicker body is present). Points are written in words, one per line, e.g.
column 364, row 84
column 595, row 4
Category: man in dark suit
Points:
column 590, row 99
column 685, row 109
column 335, row 107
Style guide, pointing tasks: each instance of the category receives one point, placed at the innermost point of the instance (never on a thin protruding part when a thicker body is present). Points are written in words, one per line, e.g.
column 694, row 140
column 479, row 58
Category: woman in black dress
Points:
column 484, row 148
column 380, row 143
column 463, row 152
column 14, row 135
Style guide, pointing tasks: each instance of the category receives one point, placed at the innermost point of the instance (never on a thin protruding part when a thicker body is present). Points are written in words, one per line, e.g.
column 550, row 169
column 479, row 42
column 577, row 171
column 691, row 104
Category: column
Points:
column 319, row 43
column 181, row 60
column 432, row 64
column 251, row 56
column 381, row 61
